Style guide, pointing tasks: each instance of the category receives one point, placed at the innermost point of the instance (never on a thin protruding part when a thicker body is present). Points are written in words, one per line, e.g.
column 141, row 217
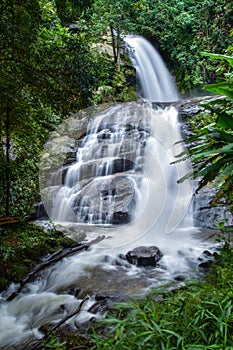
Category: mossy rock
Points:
column 29, row 244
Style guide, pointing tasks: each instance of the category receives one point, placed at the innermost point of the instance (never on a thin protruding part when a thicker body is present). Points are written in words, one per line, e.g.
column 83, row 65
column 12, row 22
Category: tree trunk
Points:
column 7, row 203
column 118, row 48
column 114, row 46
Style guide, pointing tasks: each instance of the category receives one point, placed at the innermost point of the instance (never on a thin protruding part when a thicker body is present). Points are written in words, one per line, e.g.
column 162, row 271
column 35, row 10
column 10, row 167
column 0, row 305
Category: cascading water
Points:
column 155, row 80
column 120, row 174
column 92, row 193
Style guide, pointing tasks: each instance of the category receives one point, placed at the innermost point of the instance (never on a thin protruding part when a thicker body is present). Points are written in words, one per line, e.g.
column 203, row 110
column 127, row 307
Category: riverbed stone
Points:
column 144, row 256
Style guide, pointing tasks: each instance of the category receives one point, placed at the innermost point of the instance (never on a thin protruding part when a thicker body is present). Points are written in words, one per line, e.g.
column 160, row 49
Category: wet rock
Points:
column 74, row 291
column 105, row 183
column 74, row 233
column 101, row 297
column 38, row 213
column 104, row 134
column 120, row 217
column 144, row 256
column 216, row 255
column 70, row 158
column 206, row 264
column 118, row 165
column 207, row 253
column 106, row 198
column 206, row 259
column 179, row 278
column 122, row 256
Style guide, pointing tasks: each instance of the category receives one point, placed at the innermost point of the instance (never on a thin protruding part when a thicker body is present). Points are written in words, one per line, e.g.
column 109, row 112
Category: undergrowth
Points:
column 22, row 246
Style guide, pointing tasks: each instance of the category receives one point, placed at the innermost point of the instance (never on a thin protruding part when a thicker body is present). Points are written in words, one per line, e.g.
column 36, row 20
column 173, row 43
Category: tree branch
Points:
column 75, row 312
column 53, row 258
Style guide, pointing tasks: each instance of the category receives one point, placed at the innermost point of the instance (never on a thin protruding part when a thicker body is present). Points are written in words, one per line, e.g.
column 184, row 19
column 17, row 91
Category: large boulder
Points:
column 111, row 198
column 144, row 256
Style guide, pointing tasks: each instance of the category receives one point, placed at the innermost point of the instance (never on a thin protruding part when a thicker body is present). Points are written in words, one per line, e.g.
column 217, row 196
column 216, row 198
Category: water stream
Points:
column 120, row 184
column 155, row 80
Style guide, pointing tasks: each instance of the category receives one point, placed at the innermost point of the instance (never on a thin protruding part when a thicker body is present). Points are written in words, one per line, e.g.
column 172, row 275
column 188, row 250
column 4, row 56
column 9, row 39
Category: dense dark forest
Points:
column 61, row 56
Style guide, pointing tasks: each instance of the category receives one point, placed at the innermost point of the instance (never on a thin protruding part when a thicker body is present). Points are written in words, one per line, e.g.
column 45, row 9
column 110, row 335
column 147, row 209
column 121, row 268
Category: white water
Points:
column 163, row 217
column 155, row 80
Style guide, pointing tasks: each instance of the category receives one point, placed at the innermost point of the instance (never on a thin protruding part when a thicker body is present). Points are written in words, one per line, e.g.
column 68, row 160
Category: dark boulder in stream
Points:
column 144, row 256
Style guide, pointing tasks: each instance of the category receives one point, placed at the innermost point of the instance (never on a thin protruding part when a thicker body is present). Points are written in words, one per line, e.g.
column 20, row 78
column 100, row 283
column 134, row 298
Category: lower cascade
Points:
column 110, row 173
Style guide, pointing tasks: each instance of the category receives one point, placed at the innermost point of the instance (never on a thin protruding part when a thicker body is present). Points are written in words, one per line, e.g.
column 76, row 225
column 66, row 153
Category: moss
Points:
column 22, row 246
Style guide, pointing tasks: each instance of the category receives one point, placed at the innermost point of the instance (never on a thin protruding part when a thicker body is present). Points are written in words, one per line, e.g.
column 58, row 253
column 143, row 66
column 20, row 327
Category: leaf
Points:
column 225, row 121
column 229, row 59
column 226, row 149
column 224, row 88
column 186, row 177
column 227, row 136
column 224, row 174
column 215, row 166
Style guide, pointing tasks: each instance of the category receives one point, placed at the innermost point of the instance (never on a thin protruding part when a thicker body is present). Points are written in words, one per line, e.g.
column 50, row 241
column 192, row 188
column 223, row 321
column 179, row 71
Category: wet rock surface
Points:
column 206, row 259
column 99, row 178
column 144, row 256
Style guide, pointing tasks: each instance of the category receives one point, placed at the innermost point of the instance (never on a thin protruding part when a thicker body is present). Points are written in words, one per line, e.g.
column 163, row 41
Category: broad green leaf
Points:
column 224, row 174
column 215, row 166
column 227, row 136
column 186, row 177
column 226, row 149
column 219, row 57
column 225, row 121
column 224, row 88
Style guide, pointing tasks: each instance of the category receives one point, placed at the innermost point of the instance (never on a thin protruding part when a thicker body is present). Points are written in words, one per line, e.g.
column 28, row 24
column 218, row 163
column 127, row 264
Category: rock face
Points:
column 144, row 256
column 108, row 198
column 92, row 167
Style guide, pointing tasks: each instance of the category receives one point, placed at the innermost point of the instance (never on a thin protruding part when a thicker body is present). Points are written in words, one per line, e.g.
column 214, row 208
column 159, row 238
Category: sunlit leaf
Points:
column 229, row 59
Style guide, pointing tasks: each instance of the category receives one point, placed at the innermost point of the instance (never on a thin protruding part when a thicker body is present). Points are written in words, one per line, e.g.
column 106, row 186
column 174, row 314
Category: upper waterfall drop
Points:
column 155, row 80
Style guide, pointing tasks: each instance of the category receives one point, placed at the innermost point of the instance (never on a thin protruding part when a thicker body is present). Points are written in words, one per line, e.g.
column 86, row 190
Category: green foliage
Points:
column 198, row 316
column 69, row 10
column 53, row 343
column 119, row 90
column 46, row 72
column 212, row 151
column 179, row 29
column 22, row 246
column 117, row 14
column 224, row 87
column 182, row 30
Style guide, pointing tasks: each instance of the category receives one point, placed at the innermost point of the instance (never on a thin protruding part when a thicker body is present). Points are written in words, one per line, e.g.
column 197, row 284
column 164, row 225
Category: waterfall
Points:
column 155, row 80
column 114, row 177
